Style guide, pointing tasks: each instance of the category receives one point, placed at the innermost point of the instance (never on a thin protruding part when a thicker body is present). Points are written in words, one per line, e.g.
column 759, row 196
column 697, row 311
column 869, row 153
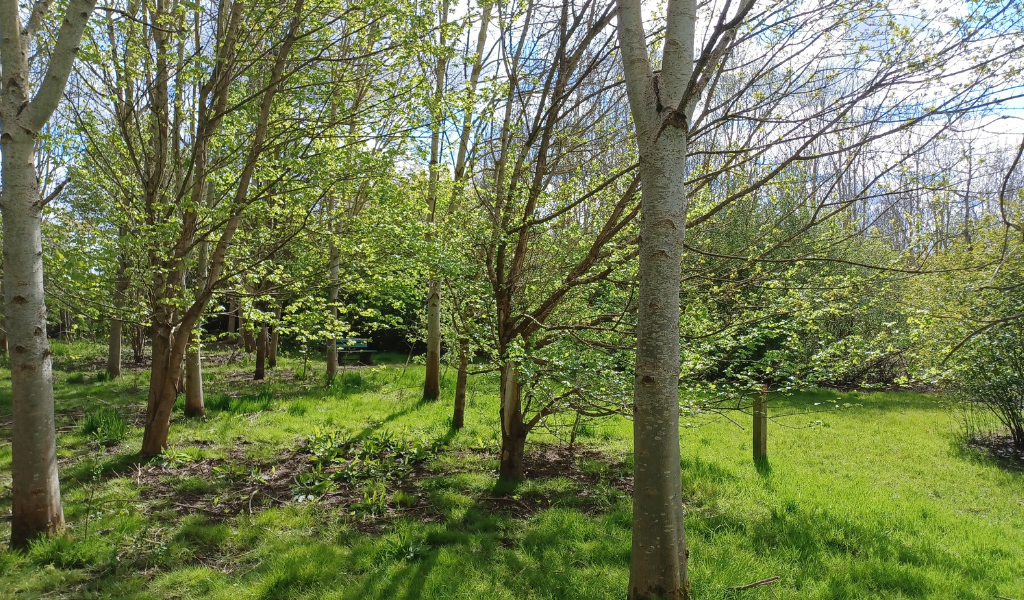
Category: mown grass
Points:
column 875, row 499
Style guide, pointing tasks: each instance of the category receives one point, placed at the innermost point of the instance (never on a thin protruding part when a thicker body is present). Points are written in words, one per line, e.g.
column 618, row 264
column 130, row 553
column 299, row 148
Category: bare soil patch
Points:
column 240, row 486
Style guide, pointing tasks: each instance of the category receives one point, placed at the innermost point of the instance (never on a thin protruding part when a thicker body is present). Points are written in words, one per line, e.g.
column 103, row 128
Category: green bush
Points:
column 991, row 377
column 106, row 425
column 76, row 377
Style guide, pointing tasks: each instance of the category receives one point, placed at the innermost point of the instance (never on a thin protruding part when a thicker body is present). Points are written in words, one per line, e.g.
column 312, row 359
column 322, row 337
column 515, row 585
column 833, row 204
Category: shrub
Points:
column 106, row 425
column 76, row 377
column 992, row 377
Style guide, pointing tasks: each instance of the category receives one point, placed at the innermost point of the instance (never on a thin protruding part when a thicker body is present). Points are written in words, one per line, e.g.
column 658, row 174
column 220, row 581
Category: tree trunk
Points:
column 162, row 390
column 249, row 338
column 661, row 110
column 335, row 274
column 272, row 351
column 659, row 555
column 232, row 311
column 114, row 348
column 432, row 382
column 116, row 325
column 36, row 505
column 138, row 344
column 513, row 431
column 194, row 405
column 261, row 354
column 179, row 383
column 3, row 320
column 459, row 412
column 35, row 488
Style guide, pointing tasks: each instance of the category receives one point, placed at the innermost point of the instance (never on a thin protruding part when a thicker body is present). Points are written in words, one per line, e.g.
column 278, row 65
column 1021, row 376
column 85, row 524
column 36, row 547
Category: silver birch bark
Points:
column 37, row 507
column 116, row 327
column 432, row 380
column 195, row 405
column 335, row 274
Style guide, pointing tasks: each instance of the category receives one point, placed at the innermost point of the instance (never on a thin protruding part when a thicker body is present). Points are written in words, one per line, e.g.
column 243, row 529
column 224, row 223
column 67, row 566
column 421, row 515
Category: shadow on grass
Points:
column 873, row 554
column 764, row 467
column 398, row 414
column 962, row 448
column 821, row 401
column 104, row 467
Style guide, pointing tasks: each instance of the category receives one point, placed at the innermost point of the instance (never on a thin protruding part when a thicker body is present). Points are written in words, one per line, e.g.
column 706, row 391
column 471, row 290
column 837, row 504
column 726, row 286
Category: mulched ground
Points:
column 257, row 485
column 1002, row 449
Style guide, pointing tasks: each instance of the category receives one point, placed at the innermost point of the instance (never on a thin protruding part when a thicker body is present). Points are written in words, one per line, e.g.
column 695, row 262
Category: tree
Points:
column 36, row 489
column 658, row 558
column 762, row 97
column 553, row 213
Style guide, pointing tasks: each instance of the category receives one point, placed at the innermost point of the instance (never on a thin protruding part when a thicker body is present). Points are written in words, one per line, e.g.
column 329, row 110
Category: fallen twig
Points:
column 768, row 581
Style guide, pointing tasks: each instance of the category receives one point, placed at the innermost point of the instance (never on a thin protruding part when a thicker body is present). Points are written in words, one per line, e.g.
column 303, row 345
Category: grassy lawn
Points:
column 864, row 496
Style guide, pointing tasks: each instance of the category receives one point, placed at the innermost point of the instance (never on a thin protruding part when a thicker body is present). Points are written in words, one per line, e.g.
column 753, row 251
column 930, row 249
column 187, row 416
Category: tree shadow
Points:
column 763, row 467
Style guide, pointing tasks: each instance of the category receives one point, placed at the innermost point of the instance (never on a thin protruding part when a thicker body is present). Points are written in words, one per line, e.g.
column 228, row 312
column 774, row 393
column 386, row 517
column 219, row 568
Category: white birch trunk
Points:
column 335, row 274
column 658, row 560
column 36, row 507
column 432, row 378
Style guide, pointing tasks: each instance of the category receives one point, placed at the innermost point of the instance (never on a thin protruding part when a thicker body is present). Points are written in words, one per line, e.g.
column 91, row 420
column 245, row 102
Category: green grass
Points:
column 876, row 499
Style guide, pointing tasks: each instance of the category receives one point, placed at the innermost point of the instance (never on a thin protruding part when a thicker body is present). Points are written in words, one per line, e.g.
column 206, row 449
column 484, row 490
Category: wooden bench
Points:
column 355, row 346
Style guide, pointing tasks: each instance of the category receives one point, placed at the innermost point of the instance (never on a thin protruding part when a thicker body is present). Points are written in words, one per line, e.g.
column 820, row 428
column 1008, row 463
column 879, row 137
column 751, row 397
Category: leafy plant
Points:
column 105, row 425
column 172, row 457
column 311, row 485
column 375, row 499
column 229, row 471
column 76, row 377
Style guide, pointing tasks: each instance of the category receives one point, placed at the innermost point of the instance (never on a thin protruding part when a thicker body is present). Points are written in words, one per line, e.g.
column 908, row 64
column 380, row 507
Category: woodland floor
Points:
column 864, row 496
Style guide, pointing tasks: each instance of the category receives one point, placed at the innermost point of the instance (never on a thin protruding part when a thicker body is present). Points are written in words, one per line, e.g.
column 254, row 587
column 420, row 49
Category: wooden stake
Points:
column 761, row 425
